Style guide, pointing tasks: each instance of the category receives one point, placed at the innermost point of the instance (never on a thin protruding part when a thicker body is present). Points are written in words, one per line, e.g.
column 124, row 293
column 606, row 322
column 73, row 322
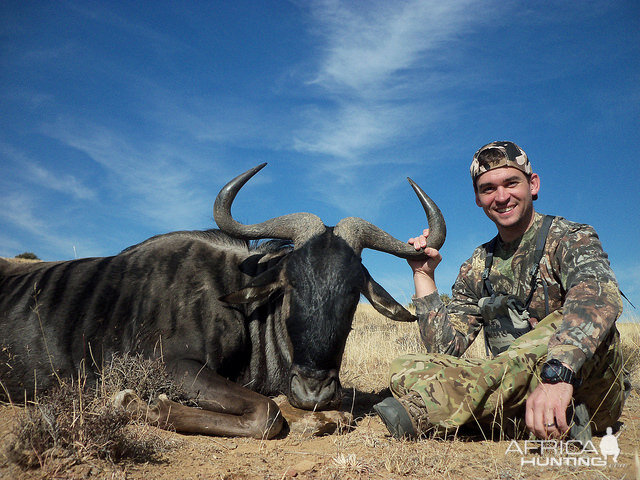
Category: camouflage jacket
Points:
column 579, row 280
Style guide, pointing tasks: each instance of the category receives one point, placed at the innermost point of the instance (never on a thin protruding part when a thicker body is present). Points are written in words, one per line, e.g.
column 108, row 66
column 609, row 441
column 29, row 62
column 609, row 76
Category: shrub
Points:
column 147, row 377
column 27, row 256
column 73, row 422
column 76, row 421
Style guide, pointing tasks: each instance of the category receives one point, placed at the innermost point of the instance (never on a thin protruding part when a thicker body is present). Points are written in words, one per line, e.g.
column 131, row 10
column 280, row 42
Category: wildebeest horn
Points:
column 361, row 234
column 297, row 227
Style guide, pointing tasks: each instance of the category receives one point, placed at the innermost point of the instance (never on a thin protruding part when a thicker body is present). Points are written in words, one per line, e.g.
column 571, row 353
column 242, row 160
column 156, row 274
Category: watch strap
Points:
column 560, row 373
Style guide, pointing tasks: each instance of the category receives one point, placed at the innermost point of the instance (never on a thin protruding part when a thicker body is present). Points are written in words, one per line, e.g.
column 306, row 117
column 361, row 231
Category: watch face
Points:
column 550, row 373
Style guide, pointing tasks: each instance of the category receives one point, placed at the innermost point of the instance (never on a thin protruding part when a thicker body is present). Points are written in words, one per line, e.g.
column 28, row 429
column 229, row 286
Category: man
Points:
column 548, row 319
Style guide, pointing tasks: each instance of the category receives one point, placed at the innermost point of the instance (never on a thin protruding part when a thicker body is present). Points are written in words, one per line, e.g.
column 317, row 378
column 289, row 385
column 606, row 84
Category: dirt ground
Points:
column 364, row 452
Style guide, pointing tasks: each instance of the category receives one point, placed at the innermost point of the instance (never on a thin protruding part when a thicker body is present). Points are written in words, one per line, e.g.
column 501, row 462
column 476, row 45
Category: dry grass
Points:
column 375, row 341
column 630, row 335
column 76, row 423
column 365, row 452
column 19, row 260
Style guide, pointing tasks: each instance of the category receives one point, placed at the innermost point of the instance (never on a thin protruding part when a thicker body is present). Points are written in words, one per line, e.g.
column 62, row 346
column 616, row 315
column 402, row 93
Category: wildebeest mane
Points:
column 221, row 238
column 211, row 235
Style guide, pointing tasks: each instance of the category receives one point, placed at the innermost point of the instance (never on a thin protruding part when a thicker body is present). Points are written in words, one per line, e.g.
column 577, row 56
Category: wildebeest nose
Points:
column 312, row 389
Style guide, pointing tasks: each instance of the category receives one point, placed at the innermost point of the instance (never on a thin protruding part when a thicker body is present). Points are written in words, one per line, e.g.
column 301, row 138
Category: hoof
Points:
column 125, row 399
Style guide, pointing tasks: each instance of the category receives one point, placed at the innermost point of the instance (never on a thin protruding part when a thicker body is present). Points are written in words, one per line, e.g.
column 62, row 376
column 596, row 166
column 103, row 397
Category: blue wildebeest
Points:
column 233, row 323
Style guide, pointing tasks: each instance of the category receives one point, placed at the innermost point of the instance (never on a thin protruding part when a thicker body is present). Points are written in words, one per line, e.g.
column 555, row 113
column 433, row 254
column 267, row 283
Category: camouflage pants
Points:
column 492, row 392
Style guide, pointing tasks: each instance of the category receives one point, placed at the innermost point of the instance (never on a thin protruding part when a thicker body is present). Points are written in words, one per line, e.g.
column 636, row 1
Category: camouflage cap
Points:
column 513, row 156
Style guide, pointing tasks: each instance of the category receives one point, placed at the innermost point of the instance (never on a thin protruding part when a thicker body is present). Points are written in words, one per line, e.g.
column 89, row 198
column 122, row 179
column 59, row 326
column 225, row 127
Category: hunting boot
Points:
column 405, row 417
column 580, row 429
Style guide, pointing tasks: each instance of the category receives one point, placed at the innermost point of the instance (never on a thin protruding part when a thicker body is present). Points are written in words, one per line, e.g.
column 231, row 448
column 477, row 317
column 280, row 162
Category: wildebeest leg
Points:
column 228, row 409
column 168, row 414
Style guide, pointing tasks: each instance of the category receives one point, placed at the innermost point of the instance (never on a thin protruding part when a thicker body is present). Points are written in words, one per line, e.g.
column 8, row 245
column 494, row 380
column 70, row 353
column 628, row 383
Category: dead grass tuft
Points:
column 73, row 423
column 630, row 335
column 147, row 377
column 76, row 423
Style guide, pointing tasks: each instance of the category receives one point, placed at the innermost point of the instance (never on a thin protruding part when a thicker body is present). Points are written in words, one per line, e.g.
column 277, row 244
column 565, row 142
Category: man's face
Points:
column 506, row 196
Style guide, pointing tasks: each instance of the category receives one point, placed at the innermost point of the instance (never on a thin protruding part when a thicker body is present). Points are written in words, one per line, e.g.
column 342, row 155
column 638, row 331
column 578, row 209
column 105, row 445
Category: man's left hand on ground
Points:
column 546, row 414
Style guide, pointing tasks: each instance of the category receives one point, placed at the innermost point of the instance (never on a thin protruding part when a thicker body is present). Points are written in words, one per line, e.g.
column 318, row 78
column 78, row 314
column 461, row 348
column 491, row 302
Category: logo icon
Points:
column 609, row 445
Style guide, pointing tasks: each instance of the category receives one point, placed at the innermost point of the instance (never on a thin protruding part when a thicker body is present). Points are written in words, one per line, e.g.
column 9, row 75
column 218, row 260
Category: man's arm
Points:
column 424, row 271
column 592, row 301
column 591, row 306
column 448, row 329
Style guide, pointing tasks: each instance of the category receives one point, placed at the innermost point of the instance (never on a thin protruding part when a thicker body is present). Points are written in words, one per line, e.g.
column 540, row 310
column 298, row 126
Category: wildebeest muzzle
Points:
column 312, row 389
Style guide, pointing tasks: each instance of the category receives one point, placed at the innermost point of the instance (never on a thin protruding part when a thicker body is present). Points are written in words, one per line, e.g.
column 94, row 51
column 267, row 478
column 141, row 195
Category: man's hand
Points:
column 546, row 414
column 423, row 270
column 428, row 266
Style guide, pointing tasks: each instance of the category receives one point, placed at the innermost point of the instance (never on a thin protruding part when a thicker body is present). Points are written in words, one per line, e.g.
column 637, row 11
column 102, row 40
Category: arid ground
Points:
column 365, row 451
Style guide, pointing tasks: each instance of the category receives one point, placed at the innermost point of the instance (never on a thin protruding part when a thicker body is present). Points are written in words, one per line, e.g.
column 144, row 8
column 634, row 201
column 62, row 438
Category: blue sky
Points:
column 122, row 120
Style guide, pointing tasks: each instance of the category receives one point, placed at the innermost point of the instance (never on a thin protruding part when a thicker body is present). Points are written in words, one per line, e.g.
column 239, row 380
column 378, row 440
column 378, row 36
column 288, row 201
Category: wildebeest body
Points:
column 222, row 316
column 160, row 297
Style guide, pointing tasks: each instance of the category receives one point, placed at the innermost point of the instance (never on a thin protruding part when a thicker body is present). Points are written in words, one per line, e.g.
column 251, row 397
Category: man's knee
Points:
column 400, row 364
column 406, row 370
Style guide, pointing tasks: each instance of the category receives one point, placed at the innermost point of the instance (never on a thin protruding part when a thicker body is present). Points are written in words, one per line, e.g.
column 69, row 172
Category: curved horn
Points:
column 361, row 234
column 297, row 227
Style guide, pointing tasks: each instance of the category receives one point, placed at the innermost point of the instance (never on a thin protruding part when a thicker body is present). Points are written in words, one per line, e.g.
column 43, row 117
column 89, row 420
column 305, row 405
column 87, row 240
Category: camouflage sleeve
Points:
column 592, row 299
column 450, row 328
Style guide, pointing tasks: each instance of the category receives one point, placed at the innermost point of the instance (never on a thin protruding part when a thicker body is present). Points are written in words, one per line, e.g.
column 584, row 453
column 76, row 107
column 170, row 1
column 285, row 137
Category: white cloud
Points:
column 153, row 180
column 381, row 66
column 19, row 209
column 32, row 172
column 372, row 45
column 352, row 130
column 61, row 183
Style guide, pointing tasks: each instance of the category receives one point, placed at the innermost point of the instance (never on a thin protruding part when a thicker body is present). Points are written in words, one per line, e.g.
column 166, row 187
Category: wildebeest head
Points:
column 321, row 281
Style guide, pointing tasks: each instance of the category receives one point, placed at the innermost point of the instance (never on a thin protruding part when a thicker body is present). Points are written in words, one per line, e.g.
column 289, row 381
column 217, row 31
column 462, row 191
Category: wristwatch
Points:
column 553, row 371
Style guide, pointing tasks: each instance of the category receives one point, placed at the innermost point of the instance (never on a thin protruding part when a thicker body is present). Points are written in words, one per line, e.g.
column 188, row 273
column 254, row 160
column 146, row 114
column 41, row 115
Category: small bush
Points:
column 72, row 422
column 27, row 256
column 77, row 421
column 147, row 377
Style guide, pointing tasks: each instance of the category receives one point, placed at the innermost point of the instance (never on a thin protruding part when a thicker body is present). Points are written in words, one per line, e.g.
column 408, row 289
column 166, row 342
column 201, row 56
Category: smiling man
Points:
column 545, row 295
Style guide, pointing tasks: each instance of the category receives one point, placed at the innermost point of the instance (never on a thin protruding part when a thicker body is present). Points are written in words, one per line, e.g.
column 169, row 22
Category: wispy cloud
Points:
column 370, row 47
column 64, row 183
column 156, row 182
column 32, row 172
column 377, row 80
column 352, row 130
column 375, row 59
column 21, row 211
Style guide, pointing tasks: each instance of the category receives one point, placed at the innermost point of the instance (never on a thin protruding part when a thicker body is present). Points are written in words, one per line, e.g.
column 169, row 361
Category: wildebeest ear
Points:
column 383, row 302
column 250, row 265
column 258, row 289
